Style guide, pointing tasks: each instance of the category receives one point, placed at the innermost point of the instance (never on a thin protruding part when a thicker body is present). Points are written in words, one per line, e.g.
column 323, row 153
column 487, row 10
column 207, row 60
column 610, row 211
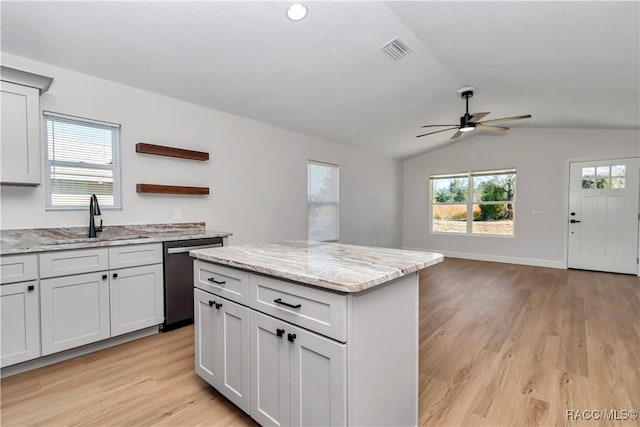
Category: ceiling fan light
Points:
column 467, row 128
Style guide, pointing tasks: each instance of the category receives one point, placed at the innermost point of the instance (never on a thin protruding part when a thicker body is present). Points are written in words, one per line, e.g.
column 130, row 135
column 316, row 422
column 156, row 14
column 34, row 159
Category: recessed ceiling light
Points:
column 297, row 11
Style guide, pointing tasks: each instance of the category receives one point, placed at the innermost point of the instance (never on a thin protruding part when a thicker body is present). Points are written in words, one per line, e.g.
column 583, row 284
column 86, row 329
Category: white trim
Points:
column 536, row 262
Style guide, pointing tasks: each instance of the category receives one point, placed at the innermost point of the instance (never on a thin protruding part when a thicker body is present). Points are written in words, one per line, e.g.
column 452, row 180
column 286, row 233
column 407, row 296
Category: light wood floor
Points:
column 501, row 345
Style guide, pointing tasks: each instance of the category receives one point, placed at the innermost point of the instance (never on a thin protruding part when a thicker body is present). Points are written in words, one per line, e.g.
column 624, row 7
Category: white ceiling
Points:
column 569, row 64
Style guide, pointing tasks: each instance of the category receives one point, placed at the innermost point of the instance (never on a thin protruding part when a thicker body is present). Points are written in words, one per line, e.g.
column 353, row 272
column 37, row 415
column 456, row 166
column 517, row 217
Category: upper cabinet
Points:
column 20, row 143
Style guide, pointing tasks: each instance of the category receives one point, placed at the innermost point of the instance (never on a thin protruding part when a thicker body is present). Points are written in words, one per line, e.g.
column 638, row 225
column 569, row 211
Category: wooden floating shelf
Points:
column 171, row 189
column 161, row 150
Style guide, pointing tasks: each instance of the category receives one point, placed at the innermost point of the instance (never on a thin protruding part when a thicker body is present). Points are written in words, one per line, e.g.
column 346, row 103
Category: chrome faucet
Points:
column 94, row 209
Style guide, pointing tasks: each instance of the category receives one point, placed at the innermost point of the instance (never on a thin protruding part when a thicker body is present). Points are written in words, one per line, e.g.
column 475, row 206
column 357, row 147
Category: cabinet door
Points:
column 74, row 311
column 20, row 143
column 206, row 325
column 318, row 381
column 20, row 339
column 269, row 355
column 136, row 298
column 233, row 345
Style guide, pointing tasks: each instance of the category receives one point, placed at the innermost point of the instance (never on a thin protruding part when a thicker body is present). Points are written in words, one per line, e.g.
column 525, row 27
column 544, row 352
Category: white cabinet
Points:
column 136, row 298
column 19, row 309
column 297, row 377
column 318, row 380
column 74, row 311
column 20, row 322
column 222, row 346
column 84, row 301
column 20, row 134
column 316, row 357
column 269, row 355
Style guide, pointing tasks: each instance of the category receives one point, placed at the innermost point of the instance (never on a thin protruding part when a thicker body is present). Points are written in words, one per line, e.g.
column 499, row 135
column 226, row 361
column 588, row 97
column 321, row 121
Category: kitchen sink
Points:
column 93, row 239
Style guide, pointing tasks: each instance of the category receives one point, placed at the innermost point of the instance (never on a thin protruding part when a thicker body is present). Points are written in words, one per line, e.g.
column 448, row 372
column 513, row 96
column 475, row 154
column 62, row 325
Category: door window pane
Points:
column 617, row 183
column 618, row 170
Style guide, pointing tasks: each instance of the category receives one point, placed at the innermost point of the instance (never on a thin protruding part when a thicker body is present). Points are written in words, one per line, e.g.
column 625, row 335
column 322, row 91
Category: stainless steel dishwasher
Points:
column 178, row 280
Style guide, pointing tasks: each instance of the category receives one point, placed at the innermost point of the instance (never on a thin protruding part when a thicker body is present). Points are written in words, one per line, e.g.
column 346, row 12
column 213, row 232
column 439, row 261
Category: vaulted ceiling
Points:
column 569, row 64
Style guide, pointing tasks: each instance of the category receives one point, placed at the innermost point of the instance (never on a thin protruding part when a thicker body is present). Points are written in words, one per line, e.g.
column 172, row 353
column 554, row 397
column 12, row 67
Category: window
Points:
column 604, row 177
column 322, row 202
column 82, row 158
column 474, row 202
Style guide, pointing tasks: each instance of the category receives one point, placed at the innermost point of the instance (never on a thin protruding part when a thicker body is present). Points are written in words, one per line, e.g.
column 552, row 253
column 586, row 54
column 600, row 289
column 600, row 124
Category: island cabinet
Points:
column 86, row 296
column 222, row 346
column 297, row 377
column 317, row 356
column 19, row 309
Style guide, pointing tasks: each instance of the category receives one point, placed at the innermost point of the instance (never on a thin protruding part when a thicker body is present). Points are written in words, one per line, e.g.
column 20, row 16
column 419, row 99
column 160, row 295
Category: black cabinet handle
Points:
column 279, row 301
column 573, row 221
column 218, row 305
column 291, row 337
column 280, row 332
column 30, row 287
column 115, row 275
column 104, row 277
column 211, row 303
column 213, row 280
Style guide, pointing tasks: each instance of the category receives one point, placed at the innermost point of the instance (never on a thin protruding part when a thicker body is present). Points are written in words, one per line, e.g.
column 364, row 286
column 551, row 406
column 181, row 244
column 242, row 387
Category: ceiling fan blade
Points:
column 504, row 119
column 477, row 116
column 456, row 135
column 435, row 126
column 491, row 128
column 438, row 131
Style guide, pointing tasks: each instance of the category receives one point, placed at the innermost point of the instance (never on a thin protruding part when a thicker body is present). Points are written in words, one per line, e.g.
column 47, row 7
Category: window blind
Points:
column 82, row 158
column 322, row 206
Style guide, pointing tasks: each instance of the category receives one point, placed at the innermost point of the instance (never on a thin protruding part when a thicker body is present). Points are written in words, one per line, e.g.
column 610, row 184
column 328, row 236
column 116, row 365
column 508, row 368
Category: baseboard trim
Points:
column 536, row 262
column 75, row 352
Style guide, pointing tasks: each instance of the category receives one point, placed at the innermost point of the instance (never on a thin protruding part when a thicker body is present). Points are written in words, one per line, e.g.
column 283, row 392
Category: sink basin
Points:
column 122, row 237
column 92, row 239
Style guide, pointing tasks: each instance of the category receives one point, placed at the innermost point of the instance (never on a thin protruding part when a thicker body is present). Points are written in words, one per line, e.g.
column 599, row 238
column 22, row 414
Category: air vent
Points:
column 396, row 48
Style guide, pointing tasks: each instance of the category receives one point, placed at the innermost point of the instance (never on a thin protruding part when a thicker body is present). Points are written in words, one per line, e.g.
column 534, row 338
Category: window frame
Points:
column 469, row 176
column 336, row 203
column 115, row 167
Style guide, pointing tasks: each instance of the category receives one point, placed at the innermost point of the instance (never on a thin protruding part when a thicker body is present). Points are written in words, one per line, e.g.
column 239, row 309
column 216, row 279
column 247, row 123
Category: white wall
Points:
column 540, row 156
column 257, row 172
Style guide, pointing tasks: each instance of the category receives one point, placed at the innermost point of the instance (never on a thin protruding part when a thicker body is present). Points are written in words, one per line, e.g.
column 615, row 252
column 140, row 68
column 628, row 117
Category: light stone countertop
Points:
column 23, row 241
column 344, row 268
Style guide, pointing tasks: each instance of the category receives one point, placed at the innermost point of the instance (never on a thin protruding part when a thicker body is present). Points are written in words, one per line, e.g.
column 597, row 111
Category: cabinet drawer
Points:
column 18, row 268
column 223, row 281
column 64, row 263
column 135, row 255
column 320, row 311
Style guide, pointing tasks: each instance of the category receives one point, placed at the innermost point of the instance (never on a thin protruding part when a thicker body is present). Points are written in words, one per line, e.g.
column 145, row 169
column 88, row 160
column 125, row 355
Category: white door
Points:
column 20, row 339
column 136, row 298
column 269, row 353
column 603, row 215
column 318, row 381
column 233, row 345
column 74, row 311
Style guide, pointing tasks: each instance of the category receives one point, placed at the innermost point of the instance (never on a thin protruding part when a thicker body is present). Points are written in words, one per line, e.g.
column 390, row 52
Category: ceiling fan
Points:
column 470, row 122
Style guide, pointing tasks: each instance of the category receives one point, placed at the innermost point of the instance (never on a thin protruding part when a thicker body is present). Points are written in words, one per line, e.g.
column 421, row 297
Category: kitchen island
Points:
column 311, row 333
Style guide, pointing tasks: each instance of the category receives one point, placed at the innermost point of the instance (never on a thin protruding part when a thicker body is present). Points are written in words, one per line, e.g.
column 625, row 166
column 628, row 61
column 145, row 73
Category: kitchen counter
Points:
column 318, row 326
column 336, row 266
column 32, row 240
